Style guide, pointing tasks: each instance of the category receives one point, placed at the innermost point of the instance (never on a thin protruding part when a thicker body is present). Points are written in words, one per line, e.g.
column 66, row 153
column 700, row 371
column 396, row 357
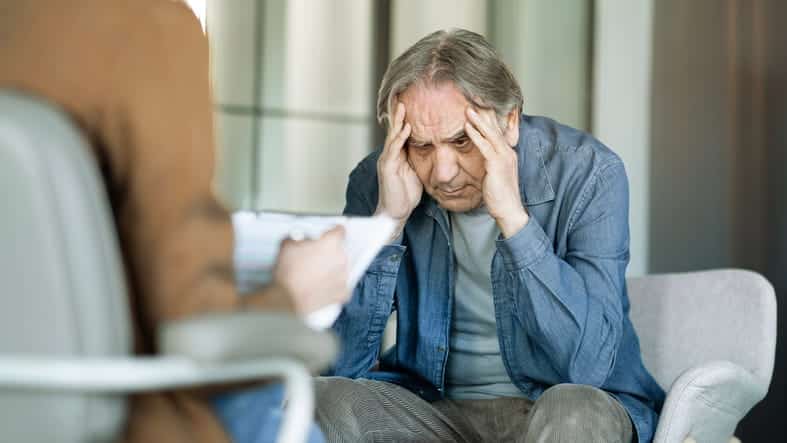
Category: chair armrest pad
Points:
column 247, row 336
column 707, row 402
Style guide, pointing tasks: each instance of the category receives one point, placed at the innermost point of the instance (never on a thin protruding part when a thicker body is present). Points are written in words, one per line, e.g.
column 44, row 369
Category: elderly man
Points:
column 507, row 273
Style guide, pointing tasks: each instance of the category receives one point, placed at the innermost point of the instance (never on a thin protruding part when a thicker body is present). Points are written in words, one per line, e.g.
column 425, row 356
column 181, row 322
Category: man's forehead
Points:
column 434, row 109
column 429, row 100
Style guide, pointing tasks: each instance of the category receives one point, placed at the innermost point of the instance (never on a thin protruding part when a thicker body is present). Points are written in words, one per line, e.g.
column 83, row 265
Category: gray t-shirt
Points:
column 475, row 369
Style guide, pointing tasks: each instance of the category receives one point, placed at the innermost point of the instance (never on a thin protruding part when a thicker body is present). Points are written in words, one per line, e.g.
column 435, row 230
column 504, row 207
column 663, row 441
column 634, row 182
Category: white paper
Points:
column 259, row 235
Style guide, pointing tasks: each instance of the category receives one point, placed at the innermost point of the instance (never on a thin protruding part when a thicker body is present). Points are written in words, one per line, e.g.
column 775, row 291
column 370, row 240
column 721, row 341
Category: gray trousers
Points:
column 374, row 411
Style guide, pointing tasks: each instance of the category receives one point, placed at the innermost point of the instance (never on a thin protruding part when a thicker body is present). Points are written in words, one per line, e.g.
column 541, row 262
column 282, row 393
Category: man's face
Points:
column 446, row 161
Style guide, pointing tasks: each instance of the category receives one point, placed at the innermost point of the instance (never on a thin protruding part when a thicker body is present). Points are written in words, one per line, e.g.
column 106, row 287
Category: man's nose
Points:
column 446, row 165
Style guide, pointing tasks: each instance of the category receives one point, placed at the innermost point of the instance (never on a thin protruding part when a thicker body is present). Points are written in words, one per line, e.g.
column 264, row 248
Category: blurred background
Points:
column 692, row 95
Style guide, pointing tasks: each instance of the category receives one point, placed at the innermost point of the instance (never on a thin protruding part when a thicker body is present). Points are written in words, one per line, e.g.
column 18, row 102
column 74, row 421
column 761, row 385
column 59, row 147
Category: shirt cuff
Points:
column 524, row 248
column 388, row 260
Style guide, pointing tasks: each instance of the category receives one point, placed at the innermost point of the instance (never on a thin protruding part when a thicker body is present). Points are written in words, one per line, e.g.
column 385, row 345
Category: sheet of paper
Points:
column 259, row 235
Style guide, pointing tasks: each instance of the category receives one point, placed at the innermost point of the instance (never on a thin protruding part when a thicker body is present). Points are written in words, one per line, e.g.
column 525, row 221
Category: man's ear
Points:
column 511, row 133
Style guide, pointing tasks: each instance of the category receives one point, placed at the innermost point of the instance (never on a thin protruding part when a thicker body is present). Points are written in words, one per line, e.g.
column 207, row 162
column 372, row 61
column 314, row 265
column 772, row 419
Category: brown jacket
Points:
column 134, row 75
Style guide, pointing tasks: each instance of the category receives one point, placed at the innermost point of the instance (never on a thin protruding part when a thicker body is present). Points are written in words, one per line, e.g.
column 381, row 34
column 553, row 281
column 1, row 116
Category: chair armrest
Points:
column 123, row 375
column 126, row 375
column 691, row 440
column 204, row 350
column 707, row 402
column 198, row 351
column 247, row 335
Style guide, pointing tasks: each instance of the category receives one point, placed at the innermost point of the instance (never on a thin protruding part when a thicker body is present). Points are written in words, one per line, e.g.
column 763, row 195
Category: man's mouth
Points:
column 452, row 192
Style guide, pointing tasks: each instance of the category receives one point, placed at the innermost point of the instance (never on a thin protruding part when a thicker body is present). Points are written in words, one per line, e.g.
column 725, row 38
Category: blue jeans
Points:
column 254, row 415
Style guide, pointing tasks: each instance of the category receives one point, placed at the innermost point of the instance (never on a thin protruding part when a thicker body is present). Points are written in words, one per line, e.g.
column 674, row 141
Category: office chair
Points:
column 66, row 363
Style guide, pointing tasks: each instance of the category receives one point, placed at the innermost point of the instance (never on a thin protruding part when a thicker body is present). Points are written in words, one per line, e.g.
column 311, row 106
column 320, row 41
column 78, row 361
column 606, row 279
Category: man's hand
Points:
column 399, row 187
column 313, row 272
column 501, row 184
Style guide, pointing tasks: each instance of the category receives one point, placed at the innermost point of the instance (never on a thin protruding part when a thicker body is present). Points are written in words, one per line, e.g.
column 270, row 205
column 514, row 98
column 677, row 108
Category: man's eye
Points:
column 421, row 148
column 462, row 143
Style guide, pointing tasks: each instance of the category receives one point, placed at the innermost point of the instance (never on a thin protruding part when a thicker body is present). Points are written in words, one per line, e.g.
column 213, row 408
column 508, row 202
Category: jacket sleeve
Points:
column 362, row 321
column 571, row 307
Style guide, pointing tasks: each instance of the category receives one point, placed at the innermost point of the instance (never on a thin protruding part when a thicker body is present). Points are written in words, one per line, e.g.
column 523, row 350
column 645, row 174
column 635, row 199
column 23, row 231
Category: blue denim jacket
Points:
column 558, row 284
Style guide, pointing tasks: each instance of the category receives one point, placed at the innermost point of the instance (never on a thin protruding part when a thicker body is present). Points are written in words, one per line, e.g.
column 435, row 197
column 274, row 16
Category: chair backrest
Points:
column 63, row 286
column 684, row 320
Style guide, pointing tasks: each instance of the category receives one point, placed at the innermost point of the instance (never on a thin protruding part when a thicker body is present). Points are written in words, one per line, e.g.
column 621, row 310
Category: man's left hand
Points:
column 501, row 184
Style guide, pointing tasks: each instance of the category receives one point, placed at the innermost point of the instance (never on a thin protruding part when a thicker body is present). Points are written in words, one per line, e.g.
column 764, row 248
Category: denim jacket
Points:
column 558, row 285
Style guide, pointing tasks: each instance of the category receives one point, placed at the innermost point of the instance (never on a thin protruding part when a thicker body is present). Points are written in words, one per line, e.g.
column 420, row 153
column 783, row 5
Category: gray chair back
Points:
column 63, row 284
column 684, row 320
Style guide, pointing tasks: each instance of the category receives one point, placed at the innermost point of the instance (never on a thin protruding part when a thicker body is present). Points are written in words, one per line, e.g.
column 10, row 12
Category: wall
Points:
column 413, row 19
column 718, row 153
column 691, row 188
column 621, row 115
column 548, row 47
column 294, row 87
column 766, row 421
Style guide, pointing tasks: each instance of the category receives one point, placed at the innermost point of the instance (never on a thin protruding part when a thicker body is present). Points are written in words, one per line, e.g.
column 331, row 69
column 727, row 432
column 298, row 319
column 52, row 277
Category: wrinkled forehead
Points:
column 434, row 110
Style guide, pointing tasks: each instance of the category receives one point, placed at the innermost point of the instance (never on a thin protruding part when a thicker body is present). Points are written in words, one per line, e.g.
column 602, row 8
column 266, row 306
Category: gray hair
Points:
column 459, row 56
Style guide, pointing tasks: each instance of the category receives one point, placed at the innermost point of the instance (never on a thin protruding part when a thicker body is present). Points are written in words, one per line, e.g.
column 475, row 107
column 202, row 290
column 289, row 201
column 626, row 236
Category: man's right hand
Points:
column 399, row 187
column 313, row 273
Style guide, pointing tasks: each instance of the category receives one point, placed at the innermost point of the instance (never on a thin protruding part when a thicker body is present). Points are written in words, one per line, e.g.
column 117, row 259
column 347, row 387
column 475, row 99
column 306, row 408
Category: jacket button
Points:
column 441, row 349
column 394, row 257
